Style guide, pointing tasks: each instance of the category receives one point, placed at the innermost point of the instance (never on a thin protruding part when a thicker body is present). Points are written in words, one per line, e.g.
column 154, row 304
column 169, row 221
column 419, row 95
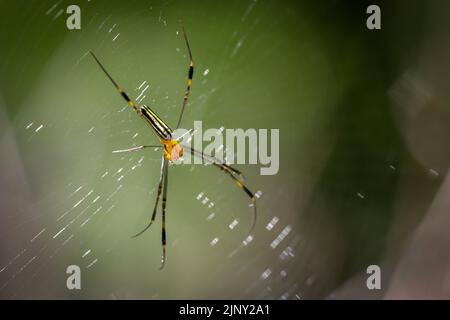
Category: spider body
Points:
column 173, row 150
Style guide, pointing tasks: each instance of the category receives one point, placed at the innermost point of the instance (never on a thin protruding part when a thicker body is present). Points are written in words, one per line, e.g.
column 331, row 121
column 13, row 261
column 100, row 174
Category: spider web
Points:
column 73, row 202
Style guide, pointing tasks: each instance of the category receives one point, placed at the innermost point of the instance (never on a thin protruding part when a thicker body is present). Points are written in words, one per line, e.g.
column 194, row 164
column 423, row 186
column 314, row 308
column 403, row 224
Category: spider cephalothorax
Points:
column 172, row 149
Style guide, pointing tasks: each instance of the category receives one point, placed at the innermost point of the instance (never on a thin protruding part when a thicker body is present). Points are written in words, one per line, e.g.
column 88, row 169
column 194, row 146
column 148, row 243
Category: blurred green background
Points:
column 313, row 71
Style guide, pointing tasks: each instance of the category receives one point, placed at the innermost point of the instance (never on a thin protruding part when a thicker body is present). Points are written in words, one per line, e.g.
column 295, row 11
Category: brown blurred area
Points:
column 364, row 120
column 416, row 263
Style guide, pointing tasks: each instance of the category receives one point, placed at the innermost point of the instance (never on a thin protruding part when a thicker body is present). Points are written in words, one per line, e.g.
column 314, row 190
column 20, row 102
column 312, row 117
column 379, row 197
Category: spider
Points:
column 173, row 149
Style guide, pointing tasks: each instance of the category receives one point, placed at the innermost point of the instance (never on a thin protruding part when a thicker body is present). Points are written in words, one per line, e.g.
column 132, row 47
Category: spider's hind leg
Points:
column 235, row 175
column 158, row 195
column 163, row 226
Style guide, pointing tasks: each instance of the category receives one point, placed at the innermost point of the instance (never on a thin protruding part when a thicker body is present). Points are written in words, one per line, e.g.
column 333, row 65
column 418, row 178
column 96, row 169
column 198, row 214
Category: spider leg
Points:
column 212, row 160
column 135, row 149
column 124, row 95
column 158, row 195
column 234, row 174
column 208, row 158
column 163, row 230
column 189, row 82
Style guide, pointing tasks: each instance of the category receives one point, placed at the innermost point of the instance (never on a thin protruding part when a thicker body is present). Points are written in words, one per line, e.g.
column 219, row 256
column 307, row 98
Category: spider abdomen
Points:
column 161, row 129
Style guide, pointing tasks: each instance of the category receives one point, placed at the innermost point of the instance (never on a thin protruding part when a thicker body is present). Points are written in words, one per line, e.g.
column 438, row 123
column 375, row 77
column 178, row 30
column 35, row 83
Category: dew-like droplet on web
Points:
column 266, row 274
column 91, row 264
column 86, row 253
column 286, row 253
column 281, row 236
column 39, row 128
column 272, row 223
column 112, row 28
column 433, row 173
column 214, row 241
column 142, row 84
column 233, row 224
column 247, row 240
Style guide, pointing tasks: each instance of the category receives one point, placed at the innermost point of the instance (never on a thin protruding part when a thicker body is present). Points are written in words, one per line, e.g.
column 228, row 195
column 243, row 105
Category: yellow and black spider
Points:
column 173, row 149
